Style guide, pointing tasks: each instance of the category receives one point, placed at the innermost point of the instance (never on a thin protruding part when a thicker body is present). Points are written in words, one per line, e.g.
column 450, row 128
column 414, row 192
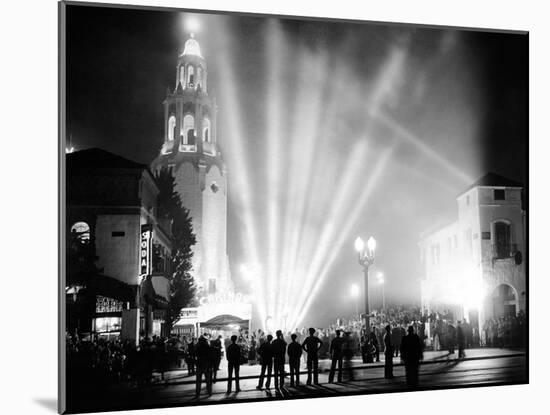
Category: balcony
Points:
column 209, row 148
column 187, row 148
column 167, row 147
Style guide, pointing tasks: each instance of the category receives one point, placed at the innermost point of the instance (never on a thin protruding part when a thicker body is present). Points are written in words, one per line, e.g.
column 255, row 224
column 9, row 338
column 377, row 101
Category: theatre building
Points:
column 475, row 267
column 117, row 251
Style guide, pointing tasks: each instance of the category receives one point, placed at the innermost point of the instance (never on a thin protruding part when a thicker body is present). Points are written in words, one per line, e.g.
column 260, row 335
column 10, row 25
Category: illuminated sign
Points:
column 189, row 312
column 145, row 250
column 224, row 297
column 107, row 305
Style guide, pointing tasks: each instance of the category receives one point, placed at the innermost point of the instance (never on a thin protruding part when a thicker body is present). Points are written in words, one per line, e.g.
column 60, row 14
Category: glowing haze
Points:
column 304, row 178
column 330, row 131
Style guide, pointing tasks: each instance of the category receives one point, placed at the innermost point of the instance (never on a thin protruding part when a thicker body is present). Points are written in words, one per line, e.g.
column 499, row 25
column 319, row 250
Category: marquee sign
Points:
column 107, row 305
column 192, row 312
column 224, row 297
column 145, row 250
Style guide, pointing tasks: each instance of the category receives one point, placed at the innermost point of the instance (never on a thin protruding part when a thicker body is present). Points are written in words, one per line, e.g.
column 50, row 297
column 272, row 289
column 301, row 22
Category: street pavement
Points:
column 438, row 370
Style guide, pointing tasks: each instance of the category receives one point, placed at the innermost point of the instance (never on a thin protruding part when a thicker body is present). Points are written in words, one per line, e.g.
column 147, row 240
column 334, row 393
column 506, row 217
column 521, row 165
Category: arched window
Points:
column 191, row 137
column 199, row 76
column 206, row 130
column 190, row 75
column 188, row 130
column 182, row 75
column 171, row 127
column 80, row 233
column 503, row 240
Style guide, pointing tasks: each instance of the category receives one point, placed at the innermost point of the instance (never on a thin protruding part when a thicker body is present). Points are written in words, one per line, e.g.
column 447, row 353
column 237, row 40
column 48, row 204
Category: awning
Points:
column 112, row 288
column 149, row 295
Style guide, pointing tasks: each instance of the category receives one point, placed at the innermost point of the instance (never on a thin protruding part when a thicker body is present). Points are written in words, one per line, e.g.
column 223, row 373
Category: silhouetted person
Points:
column 374, row 341
column 460, row 340
column 191, row 358
column 388, row 353
column 348, row 354
column 451, row 338
column 279, row 350
column 411, row 353
column 266, row 359
column 396, row 337
column 336, row 354
column 294, row 351
column 364, row 345
column 216, row 346
column 311, row 345
column 233, row 364
column 203, row 356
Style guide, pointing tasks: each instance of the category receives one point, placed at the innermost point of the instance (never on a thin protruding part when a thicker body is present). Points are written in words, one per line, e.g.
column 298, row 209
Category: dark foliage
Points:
column 182, row 285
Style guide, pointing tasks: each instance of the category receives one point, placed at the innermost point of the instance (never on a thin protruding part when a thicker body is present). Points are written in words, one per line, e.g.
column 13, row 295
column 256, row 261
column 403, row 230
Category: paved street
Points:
column 439, row 370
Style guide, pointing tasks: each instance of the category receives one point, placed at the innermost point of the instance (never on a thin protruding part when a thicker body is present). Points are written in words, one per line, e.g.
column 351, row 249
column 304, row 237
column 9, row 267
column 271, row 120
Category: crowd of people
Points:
column 106, row 362
column 506, row 331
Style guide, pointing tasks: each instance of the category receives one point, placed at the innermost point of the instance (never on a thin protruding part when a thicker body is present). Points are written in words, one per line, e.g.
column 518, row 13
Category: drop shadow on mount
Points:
column 48, row 403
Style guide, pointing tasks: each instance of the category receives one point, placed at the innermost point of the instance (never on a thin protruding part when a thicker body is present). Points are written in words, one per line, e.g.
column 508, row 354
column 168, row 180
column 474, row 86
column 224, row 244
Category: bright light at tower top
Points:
column 191, row 24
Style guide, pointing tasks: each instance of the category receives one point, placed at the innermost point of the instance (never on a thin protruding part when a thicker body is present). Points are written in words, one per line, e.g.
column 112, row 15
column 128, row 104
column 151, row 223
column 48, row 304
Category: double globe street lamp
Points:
column 366, row 259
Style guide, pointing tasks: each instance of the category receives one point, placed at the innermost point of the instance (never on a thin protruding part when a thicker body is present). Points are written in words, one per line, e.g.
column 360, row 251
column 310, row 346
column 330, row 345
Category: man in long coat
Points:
column 411, row 353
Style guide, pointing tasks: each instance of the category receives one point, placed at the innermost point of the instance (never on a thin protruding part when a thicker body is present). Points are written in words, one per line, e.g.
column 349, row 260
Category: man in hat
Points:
column 233, row 363
column 279, row 351
column 294, row 354
column 388, row 353
column 266, row 359
column 411, row 353
column 337, row 354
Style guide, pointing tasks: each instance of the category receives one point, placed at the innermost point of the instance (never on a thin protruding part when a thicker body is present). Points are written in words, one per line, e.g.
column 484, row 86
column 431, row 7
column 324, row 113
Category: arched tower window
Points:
column 171, row 127
column 190, row 75
column 199, row 76
column 503, row 239
column 206, row 130
column 182, row 75
column 188, row 129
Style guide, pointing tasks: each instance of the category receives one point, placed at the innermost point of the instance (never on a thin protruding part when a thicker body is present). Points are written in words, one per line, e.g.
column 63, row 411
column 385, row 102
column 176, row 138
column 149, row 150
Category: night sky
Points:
column 453, row 108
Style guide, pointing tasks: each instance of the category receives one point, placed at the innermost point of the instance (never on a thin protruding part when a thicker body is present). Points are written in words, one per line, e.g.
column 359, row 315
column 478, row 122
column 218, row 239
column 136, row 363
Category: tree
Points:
column 182, row 284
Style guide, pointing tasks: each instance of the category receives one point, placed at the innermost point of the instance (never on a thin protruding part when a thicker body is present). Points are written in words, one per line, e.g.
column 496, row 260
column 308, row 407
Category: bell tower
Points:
column 191, row 152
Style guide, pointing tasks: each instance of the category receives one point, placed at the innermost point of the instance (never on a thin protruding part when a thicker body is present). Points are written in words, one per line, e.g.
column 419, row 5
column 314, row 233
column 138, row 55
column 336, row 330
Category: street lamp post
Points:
column 366, row 259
